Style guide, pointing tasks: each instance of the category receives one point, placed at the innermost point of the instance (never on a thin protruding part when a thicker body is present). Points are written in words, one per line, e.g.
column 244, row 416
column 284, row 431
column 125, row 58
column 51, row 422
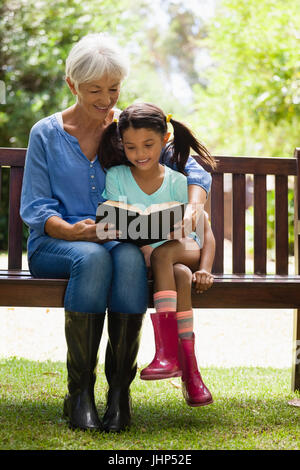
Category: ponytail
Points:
column 149, row 116
column 111, row 151
column 183, row 141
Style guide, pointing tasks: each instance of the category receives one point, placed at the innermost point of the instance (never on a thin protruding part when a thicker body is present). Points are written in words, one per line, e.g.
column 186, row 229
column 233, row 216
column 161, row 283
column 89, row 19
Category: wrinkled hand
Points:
column 203, row 280
column 86, row 230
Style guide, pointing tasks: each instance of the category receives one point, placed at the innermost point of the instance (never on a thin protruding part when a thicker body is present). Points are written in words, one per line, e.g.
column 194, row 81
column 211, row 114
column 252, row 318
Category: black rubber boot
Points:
column 83, row 333
column 124, row 333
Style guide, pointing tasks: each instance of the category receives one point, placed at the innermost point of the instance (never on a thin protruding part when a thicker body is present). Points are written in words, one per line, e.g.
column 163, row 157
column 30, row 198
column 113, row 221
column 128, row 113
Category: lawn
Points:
column 250, row 412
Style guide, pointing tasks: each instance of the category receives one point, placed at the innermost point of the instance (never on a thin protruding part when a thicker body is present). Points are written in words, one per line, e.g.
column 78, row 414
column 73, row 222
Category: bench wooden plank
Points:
column 228, row 291
column 260, row 224
column 238, row 223
column 217, row 220
column 281, row 221
column 12, row 156
column 253, row 165
column 15, row 226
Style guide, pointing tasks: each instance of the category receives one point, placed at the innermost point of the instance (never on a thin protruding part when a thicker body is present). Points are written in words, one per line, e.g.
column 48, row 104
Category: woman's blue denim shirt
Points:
column 59, row 179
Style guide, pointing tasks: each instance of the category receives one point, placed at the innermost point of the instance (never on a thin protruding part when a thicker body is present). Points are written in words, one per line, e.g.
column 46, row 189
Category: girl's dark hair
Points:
column 149, row 116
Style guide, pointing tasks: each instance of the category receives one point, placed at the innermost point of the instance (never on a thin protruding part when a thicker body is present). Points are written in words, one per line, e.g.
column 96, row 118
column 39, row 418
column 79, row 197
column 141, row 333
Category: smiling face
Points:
column 143, row 147
column 98, row 97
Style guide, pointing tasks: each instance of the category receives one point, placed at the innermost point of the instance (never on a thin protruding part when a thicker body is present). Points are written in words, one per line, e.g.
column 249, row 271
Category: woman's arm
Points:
column 85, row 230
column 37, row 201
column 39, row 208
column 196, row 175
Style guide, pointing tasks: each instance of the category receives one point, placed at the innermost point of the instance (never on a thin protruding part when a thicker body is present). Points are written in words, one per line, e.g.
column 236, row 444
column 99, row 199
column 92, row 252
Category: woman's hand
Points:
column 203, row 280
column 88, row 230
column 85, row 230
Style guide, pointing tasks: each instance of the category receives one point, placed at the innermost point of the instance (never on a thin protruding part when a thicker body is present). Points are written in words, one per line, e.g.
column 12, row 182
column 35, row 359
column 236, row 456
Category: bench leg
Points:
column 296, row 352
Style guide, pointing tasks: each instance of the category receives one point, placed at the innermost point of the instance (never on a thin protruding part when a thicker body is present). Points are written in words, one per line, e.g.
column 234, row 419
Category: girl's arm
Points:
column 203, row 278
column 199, row 184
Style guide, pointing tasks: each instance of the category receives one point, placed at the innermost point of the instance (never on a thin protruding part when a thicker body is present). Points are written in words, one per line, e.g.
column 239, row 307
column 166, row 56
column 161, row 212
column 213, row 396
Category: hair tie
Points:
column 115, row 120
column 169, row 117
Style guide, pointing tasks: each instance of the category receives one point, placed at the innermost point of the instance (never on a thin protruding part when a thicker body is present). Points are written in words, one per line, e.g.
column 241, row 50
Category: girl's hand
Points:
column 147, row 250
column 189, row 222
column 203, row 280
column 106, row 232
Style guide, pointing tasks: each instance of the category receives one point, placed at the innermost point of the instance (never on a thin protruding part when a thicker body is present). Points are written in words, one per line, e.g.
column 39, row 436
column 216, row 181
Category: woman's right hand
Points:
column 84, row 230
column 88, row 230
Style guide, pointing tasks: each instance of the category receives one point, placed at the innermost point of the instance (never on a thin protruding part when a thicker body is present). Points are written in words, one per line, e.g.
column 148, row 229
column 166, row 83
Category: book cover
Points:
column 138, row 225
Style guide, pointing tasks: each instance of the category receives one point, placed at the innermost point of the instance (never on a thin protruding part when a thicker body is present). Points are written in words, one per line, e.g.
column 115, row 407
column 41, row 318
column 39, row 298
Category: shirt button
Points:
column 92, row 176
column 91, row 166
column 93, row 187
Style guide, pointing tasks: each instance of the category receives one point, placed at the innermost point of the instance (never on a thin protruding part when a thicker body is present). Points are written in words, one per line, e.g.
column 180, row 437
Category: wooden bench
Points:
column 239, row 288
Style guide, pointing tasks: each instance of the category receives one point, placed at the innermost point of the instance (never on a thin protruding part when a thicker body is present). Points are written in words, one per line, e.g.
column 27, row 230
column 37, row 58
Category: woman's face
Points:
column 98, row 97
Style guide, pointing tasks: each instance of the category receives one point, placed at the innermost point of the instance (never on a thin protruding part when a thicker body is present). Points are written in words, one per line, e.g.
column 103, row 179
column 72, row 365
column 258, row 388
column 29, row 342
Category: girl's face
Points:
column 143, row 147
column 97, row 97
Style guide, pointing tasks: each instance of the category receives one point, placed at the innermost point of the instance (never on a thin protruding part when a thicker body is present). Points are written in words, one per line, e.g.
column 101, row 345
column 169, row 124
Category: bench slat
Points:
column 253, row 165
column 228, row 291
column 260, row 224
column 217, row 220
column 238, row 223
column 281, row 228
column 15, row 227
column 12, row 156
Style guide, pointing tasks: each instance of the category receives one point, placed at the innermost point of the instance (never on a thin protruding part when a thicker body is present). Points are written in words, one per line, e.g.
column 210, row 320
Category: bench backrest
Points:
column 285, row 172
column 239, row 167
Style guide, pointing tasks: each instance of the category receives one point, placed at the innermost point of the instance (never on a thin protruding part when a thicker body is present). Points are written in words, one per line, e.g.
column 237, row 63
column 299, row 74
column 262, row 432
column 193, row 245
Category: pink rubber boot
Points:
column 166, row 362
column 194, row 390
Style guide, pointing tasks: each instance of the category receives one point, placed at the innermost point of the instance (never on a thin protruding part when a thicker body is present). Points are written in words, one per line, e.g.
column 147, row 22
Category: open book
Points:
column 142, row 227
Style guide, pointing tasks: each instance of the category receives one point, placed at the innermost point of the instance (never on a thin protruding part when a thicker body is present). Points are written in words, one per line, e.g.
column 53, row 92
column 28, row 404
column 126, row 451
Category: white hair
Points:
column 94, row 56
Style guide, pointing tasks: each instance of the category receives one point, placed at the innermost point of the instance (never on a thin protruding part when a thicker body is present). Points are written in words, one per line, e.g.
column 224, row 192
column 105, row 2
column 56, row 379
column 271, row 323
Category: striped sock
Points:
column 165, row 301
column 185, row 323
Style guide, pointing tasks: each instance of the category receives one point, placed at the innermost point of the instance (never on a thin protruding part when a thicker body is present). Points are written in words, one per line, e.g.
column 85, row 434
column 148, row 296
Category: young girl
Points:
column 130, row 150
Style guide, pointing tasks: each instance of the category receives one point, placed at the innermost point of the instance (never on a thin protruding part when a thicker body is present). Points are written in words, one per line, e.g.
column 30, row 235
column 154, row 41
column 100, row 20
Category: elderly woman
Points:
column 62, row 186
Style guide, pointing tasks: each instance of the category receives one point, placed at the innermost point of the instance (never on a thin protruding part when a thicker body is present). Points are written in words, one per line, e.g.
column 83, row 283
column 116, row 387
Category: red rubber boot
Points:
column 166, row 362
column 194, row 390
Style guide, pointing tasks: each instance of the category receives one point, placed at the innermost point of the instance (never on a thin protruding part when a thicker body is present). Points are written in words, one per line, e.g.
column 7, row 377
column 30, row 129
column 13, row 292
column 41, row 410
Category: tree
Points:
column 252, row 102
column 35, row 38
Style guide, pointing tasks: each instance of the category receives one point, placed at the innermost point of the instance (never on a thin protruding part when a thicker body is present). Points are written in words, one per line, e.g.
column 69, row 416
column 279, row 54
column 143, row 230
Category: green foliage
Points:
column 253, row 96
column 35, row 38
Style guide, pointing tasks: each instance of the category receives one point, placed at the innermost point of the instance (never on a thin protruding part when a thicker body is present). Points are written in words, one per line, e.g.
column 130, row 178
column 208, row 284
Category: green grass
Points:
column 250, row 412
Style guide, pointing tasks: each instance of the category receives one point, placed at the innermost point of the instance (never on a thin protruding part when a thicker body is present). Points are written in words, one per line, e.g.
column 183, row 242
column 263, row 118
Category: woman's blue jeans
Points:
column 112, row 275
